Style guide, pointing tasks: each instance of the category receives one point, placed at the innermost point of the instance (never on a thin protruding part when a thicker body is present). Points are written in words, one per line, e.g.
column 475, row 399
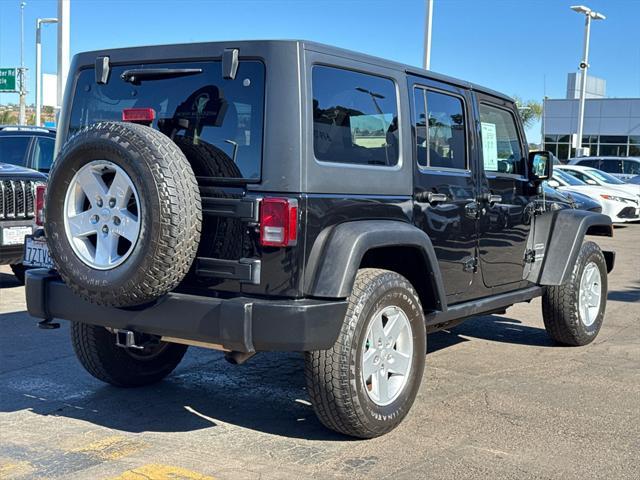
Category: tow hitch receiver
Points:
column 126, row 339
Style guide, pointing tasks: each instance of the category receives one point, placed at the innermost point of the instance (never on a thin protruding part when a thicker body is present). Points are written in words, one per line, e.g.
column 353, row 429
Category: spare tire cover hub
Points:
column 102, row 215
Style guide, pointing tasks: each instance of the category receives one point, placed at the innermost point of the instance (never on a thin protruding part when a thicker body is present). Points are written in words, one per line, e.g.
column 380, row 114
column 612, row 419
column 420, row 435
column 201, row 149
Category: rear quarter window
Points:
column 355, row 117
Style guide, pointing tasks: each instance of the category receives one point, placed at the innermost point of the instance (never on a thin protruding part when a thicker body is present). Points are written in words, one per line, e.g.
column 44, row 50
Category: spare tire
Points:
column 123, row 214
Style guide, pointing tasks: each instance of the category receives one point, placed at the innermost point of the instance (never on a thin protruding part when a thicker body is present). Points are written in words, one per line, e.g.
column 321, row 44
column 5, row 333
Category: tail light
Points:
column 144, row 116
column 41, row 192
column 278, row 222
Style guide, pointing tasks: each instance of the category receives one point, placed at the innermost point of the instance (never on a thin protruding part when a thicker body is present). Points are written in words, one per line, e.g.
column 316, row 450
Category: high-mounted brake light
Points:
column 278, row 222
column 138, row 115
column 41, row 192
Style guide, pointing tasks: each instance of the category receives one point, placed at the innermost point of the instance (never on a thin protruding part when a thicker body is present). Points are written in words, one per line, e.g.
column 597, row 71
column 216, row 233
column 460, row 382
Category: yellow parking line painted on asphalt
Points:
column 111, row 448
column 11, row 469
column 161, row 472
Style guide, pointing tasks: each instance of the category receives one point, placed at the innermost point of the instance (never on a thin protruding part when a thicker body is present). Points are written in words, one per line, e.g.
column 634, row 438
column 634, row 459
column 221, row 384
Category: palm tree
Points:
column 530, row 111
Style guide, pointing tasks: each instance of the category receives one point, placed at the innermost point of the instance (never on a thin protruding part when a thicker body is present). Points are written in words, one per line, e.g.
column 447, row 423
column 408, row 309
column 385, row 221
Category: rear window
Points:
column 13, row 150
column 355, row 117
column 205, row 114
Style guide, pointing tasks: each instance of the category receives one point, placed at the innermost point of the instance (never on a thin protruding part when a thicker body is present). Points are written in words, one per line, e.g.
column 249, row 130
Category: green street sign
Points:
column 8, row 79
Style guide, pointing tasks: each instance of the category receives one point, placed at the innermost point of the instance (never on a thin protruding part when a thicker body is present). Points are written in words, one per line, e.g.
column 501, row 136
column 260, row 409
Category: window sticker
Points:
column 489, row 146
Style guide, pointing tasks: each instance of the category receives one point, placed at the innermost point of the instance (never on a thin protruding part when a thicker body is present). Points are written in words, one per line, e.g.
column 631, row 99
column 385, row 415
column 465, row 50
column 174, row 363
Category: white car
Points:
column 593, row 176
column 621, row 207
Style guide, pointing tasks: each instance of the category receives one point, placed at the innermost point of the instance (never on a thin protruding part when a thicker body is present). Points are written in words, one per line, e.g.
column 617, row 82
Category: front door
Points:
column 444, row 186
column 505, row 213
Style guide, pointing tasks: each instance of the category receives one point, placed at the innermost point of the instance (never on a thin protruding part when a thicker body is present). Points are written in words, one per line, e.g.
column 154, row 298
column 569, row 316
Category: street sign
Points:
column 8, row 78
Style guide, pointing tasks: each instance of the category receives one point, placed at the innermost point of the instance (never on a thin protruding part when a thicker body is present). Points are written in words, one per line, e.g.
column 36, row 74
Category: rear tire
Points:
column 573, row 312
column 96, row 349
column 344, row 396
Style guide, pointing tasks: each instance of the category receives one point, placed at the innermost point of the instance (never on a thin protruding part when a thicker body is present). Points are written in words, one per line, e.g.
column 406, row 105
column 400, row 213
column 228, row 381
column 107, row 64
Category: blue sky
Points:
column 520, row 47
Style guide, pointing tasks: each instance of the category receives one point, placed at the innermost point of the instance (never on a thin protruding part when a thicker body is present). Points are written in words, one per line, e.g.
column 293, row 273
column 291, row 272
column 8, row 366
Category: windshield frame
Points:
column 568, row 179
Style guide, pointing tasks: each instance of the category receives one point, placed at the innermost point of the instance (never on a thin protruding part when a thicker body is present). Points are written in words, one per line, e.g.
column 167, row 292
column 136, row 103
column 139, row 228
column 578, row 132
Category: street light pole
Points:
column 427, row 36
column 22, row 92
column 63, row 46
column 584, row 67
column 39, row 23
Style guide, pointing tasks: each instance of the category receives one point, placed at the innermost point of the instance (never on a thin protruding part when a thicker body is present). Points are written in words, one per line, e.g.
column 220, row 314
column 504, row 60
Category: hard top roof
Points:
column 147, row 52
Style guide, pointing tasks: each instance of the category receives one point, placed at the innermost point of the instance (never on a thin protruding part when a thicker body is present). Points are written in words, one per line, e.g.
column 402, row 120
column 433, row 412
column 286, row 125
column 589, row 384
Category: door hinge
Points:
column 530, row 256
column 470, row 264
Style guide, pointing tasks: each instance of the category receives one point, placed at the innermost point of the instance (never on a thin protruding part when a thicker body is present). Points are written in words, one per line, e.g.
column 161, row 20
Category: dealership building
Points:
column 611, row 125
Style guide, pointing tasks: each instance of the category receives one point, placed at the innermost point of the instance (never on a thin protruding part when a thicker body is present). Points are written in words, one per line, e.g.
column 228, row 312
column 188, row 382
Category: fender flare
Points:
column 338, row 251
column 564, row 232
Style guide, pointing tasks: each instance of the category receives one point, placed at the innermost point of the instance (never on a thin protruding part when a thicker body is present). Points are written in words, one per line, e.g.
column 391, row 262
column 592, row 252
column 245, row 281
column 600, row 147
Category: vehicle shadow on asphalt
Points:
column 630, row 295
column 7, row 280
column 490, row 327
column 267, row 394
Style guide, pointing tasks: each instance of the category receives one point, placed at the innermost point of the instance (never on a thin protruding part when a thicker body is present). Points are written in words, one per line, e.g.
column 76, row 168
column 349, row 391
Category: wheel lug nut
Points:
column 116, row 221
column 94, row 219
column 112, row 202
column 105, row 229
column 99, row 202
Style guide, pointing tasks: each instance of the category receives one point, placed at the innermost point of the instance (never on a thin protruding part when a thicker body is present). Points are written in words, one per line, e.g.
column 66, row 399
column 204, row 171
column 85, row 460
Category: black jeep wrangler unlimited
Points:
column 18, row 187
column 286, row 195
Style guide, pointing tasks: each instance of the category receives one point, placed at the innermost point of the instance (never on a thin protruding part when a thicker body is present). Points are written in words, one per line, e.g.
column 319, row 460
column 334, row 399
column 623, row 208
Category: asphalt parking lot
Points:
column 498, row 400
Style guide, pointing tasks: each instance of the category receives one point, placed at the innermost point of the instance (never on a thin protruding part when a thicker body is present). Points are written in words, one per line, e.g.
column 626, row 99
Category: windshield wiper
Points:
column 137, row 75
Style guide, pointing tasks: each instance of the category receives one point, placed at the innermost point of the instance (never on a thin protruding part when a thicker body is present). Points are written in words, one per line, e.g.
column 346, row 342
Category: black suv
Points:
column 18, row 188
column 286, row 195
column 27, row 146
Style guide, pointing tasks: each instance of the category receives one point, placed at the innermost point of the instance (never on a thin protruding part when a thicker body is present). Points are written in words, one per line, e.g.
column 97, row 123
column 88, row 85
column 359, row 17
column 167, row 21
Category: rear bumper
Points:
column 242, row 323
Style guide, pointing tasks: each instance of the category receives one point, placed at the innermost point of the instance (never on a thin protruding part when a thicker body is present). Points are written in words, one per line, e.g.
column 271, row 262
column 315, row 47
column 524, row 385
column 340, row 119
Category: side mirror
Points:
column 540, row 167
column 590, row 181
column 553, row 183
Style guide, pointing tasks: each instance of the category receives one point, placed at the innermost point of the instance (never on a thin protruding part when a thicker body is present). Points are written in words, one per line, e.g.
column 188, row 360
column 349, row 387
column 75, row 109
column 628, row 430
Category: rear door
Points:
column 444, row 185
column 505, row 196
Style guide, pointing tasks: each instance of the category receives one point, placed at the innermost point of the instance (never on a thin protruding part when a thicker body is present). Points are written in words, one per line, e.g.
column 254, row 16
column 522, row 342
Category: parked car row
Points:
column 620, row 206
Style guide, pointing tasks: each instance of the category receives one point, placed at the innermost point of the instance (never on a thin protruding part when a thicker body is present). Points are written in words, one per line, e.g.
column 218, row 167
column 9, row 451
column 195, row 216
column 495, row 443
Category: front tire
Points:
column 573, row 312
column 98, row 353
column 366, row 383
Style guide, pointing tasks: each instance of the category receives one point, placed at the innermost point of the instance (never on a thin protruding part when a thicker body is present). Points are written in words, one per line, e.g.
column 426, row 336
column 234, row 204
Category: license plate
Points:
column 36, row 253
column 15, row 235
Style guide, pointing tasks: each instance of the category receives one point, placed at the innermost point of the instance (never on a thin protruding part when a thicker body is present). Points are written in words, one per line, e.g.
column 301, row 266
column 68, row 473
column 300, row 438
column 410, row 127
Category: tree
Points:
column 7, row 117
column 530, row 111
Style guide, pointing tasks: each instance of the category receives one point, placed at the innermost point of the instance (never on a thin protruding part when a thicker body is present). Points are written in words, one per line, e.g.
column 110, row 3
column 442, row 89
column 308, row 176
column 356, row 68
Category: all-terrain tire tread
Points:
column 181, row 215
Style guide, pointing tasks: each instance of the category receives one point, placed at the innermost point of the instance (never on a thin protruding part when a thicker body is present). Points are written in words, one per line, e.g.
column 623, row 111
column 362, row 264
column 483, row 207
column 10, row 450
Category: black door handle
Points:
column 490, row 198
column 431, row 197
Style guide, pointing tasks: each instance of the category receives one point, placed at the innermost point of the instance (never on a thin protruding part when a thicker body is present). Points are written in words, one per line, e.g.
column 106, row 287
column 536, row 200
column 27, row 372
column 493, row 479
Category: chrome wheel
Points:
column 590, row 294
column 387, row 354
column 102, row 215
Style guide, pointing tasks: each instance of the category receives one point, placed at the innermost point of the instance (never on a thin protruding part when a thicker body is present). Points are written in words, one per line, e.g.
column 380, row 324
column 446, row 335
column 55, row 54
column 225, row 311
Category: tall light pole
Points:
column 427, row 36
column 39, row 23
column 584, row 67
column 64, row 15
column 22, row 92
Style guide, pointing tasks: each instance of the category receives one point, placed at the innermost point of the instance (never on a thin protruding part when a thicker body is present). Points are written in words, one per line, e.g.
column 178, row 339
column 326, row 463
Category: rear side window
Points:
column 217, row 122
column 500, row 141
column 440, row 132
column 355, row 117
column 13, row 150
column 611, row 166
column 43, row 154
